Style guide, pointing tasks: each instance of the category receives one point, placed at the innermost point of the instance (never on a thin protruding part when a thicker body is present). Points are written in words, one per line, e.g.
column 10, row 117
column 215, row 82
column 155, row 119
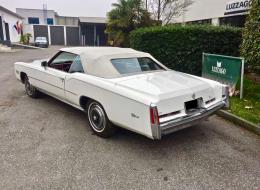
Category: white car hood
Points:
column 38, row 62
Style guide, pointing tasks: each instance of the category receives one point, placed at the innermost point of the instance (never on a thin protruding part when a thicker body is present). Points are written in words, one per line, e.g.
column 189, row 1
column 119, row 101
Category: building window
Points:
column 50, row 21
column 205, row 21
column 238, row 21
column 33, row 20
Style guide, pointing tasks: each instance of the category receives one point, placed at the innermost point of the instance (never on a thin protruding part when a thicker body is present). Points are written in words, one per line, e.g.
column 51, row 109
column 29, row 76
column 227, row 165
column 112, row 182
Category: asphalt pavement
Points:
column 46, row 144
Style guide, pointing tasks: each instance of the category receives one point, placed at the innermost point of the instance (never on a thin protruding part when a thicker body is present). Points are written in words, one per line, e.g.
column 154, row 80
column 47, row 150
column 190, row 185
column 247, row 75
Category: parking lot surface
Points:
column 46, row 144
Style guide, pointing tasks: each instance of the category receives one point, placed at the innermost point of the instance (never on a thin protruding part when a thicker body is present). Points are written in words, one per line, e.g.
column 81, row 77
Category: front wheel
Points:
column 98, row 120
column 30, row 90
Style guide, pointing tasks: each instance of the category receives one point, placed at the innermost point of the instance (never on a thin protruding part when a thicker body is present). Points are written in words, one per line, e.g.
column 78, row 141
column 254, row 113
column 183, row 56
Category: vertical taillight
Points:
column 155, row 123
column 154, row 115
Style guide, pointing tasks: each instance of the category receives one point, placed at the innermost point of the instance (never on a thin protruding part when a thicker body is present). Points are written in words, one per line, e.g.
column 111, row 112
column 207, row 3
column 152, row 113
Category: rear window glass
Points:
column 41, row 38
column 135, row 65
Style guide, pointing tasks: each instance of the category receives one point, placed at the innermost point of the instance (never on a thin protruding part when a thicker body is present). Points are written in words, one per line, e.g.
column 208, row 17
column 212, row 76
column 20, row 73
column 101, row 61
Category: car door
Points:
column 55, row 73
column 72, row 84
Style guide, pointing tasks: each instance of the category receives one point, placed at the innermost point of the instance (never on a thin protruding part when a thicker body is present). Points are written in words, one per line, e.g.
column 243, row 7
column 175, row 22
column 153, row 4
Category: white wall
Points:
column 203, row 9
column 11, row 20
column 35, row 13
column 28, row 28
column 64, row 20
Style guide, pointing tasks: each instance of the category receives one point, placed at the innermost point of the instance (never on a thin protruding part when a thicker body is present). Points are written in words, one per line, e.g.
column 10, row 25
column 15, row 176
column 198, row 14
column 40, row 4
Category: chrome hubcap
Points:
column 96, row 117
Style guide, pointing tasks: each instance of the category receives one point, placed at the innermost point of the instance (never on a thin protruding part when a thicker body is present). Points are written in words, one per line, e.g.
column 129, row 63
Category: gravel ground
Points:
column 46, row 144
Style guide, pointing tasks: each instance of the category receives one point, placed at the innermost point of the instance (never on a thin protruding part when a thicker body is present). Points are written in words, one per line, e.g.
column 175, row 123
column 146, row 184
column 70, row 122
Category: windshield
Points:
column 135, row 65
column 41, row 38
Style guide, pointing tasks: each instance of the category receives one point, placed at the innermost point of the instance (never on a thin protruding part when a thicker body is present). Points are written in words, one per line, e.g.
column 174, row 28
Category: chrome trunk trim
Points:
column 183, row 122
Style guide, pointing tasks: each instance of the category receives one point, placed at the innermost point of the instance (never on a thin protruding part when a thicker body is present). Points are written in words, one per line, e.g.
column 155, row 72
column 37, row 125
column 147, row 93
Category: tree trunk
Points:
column 159, row 10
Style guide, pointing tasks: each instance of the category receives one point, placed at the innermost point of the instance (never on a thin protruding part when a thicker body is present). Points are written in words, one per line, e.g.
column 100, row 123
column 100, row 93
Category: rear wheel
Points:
column 98, row 120
column 30, row 90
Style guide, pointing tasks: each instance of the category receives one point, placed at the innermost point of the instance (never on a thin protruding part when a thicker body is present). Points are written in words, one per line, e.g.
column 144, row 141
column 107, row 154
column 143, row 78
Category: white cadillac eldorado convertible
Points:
column 123, row 87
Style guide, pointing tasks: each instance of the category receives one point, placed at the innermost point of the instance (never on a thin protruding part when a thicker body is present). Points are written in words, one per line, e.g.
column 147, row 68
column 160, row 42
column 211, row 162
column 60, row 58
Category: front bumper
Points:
column 183, row 122
column 41, row 45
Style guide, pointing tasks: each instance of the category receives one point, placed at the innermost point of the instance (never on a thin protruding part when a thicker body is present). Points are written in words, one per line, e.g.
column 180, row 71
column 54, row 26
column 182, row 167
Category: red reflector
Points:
column 154, row 116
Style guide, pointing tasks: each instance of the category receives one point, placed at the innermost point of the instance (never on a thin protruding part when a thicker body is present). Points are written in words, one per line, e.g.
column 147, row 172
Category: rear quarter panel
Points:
column 119, row 108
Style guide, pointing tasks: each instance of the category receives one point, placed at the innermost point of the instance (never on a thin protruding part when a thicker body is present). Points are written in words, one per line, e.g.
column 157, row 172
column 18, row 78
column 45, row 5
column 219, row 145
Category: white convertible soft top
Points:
column 97, row 60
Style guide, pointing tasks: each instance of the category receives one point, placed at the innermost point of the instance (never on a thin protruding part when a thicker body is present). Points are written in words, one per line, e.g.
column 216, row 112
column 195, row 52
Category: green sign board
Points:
column 224, row 69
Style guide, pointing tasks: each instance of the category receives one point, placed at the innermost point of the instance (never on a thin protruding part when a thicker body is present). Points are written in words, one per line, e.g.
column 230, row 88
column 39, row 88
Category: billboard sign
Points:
column 225, row 69
column 237, row 6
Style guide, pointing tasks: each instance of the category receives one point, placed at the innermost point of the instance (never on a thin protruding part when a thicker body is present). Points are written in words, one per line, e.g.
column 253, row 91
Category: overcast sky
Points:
column 91, row 8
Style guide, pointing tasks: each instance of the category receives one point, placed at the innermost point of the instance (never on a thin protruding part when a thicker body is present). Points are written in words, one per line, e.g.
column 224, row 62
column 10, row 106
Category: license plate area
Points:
column 193, row 105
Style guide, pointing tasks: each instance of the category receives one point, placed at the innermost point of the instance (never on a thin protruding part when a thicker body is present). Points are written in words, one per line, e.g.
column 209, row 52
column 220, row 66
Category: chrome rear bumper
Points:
column 183, row 122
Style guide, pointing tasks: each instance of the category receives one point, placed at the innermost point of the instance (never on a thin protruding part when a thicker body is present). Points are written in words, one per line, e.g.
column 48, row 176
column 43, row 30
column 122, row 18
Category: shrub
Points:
column 181, row 47
column 25, row 38
column 250, row 48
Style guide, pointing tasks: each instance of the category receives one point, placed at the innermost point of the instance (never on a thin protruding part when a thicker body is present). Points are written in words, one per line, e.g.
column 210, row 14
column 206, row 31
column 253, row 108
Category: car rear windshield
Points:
column 135, row 65
column 41, row 38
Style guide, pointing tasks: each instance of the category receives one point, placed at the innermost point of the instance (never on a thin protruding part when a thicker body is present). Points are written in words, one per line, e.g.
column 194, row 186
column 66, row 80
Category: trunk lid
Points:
column 172, row 89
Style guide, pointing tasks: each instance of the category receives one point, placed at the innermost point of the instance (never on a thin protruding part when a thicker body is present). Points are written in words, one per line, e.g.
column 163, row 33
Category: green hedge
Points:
column 181, row 47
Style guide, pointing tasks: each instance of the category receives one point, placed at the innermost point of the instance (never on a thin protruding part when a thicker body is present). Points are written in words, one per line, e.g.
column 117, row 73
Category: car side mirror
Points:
column 44, row 64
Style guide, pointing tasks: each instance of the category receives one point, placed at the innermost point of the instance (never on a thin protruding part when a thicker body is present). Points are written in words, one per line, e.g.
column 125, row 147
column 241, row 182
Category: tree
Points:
column 126, row 16
column 25, row 38
column 165, row 10
column 250, row 48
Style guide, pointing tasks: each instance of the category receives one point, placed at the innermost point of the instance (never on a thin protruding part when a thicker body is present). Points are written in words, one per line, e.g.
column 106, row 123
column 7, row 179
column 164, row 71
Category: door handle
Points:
column 62, row 79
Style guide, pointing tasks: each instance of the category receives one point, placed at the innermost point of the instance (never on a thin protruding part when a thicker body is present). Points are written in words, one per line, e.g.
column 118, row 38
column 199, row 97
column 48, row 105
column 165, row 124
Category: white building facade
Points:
column 37, row 16
column 9, row 26
column 216, row 12
column 63, row 30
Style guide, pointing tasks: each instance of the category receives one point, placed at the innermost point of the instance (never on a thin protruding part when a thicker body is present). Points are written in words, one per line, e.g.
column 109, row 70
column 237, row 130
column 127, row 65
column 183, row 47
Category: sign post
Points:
column 242, row 78
column 225, row 69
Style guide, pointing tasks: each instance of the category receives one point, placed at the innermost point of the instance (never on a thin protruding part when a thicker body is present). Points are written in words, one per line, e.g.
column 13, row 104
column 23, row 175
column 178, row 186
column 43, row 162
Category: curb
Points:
column 239, row 121
column 18, row 45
